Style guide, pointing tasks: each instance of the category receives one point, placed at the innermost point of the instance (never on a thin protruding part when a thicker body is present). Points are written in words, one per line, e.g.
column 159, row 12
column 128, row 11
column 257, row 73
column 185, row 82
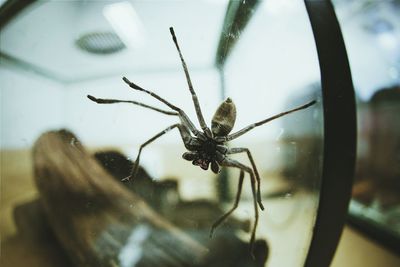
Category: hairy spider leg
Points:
column 113, row 101
column 159, row 98
column 196, row 103
column 253, row 164
column 252, row 126
column 228, row 162
column 185, row 138
column 183, row 116
column 235, row 205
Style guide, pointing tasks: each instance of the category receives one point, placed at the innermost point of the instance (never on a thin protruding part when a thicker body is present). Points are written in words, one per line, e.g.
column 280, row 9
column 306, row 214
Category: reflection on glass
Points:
column 372, row 36
column 66, row 184
column 376, row 189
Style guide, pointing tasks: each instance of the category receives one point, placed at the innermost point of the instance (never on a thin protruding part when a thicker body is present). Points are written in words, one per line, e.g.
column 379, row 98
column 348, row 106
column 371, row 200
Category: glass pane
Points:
column 372, row 35
column 260, row 54
column 274, row 68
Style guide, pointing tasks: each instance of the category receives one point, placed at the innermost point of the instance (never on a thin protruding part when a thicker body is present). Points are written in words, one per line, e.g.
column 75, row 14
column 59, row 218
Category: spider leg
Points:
column 159, row 98
column 235, row 205
column 183, row 131
column 191, row 89
column 190, row 143
column 113, row 101
column 253, row 164
column 234, row 163
column 251, row 126
column 183, row 116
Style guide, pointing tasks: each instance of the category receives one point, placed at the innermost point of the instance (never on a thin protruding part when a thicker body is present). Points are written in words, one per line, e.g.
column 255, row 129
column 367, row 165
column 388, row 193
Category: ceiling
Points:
column 43, row 37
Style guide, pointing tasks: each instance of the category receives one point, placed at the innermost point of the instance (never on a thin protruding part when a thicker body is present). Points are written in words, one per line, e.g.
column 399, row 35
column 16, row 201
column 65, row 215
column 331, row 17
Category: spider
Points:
column 208, row 146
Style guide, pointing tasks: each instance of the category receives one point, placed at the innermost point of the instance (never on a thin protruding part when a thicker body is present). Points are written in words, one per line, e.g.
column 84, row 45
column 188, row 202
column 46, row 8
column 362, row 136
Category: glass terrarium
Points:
column 64, row 156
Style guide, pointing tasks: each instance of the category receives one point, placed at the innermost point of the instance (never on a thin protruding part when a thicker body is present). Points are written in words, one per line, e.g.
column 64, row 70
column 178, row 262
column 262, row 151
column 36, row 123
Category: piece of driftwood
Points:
column 194, row 217
column 96, row 220
column 34, row 244
column 36, row 241
column 30, row 221
column 157, row 194
column 163, row 196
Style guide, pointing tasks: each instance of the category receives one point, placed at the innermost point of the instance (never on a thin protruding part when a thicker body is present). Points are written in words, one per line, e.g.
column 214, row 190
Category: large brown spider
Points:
column 209, row 145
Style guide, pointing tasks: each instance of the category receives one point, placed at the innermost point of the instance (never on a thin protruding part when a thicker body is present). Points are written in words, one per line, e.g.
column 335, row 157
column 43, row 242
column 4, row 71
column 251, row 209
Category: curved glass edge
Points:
column 339, row 136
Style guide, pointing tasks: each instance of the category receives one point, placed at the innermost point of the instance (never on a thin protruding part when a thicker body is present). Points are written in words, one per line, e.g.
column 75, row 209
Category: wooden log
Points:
column 163, row 196
column 96, row 220
column 30, row 220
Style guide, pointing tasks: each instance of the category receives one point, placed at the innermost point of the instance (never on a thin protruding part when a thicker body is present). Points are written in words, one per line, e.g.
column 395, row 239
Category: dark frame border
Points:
column 340, row 130
column 11, row 8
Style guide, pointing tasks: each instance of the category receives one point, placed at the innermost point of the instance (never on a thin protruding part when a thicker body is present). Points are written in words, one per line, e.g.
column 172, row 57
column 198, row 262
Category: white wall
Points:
column 273, row 64
column 30, row 105
column 127, row 124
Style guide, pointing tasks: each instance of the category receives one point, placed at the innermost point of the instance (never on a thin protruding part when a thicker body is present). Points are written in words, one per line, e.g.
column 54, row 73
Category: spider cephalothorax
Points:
column 206, row 152
column 207, row 146
column 205, row 149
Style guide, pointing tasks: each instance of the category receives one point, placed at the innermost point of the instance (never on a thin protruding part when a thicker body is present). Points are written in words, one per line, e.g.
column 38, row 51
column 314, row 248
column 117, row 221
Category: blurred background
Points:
column 259, row 53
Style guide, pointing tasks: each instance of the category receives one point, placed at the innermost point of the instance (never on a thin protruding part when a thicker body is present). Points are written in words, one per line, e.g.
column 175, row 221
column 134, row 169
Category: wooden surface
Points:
column 357, row 250
column 94, row 217
column 84, row 217
column 17, row 186
column 17, row 189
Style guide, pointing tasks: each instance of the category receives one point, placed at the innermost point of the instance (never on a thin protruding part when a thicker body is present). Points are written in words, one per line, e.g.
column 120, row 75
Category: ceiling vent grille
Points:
column 100, row 43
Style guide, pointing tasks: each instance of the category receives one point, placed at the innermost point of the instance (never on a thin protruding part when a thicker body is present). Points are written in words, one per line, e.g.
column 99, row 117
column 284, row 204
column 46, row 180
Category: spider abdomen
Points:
column 224, row 118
